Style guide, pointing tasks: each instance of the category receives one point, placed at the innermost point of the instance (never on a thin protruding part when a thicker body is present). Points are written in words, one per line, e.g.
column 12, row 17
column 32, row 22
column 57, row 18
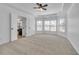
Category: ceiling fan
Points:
column 41, row 6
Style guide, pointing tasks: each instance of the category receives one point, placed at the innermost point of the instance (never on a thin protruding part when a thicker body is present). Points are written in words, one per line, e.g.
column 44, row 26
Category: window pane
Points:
column 46, row 22
column 39, row 25
column 62, row 29
column 61, row 21
column 53, row 22
column 39, row 22
column 39, row 28
column 53, row 29
column 46, row 28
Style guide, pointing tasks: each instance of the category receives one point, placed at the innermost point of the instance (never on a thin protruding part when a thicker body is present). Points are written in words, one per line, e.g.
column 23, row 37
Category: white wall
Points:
column 5, row 13
column 73, row 26
column 4, row 25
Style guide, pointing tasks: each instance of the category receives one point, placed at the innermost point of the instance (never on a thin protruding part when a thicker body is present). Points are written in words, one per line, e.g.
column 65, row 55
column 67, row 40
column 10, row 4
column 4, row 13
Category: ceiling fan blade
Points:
column 39, row 4
column 45, row 5
column 44, row 8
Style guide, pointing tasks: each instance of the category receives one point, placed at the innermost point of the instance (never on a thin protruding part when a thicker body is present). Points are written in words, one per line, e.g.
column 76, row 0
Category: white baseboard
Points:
column 73, row 45
column 3, row 41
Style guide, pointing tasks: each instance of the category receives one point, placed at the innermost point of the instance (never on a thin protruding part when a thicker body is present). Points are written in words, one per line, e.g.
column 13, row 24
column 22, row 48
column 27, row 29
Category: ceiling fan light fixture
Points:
column 40, row 9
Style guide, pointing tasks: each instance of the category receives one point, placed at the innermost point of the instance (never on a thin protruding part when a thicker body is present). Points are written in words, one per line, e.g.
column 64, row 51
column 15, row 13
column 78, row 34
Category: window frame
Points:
column 62, row 25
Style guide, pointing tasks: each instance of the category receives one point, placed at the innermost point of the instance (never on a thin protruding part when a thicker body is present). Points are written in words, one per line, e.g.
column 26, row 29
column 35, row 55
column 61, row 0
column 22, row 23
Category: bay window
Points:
column 46, row 25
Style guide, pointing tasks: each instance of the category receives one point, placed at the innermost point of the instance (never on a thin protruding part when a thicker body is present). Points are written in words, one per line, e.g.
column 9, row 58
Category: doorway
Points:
column 18, row 27
column 21, row 27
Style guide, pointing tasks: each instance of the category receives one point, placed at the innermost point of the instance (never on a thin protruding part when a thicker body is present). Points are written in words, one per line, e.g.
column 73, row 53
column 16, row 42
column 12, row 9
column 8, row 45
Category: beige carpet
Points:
column 39, row 45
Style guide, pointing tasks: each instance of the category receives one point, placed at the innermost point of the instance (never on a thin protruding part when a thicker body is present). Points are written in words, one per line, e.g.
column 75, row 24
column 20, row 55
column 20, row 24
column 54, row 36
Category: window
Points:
column 53, row 25
column 50, row 25
column 53, row 29
column 46, row 25
column 62, row 25
column 39, row 25
column 53, row 22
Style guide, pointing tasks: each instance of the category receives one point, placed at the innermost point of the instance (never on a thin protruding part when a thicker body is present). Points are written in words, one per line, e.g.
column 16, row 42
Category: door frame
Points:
column 16, row 26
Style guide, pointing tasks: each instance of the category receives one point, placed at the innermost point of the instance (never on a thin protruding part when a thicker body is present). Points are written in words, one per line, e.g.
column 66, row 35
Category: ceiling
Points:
column 28, row 7
column 52, row 8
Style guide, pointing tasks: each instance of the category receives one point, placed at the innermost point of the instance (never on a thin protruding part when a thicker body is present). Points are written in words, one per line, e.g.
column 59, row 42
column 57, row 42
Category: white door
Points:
column 13, row 27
